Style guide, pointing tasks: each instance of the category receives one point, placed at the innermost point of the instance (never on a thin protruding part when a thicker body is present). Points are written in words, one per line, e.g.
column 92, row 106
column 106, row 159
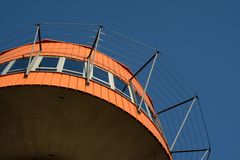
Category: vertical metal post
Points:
column 132, row 91
column 148, row 79
column 181, row 127
column 90, row 61
column 39, row 38
column 32, row 50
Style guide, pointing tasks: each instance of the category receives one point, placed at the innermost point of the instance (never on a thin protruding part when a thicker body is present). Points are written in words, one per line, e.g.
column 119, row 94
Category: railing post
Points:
column 30, row 62
column 90, row 58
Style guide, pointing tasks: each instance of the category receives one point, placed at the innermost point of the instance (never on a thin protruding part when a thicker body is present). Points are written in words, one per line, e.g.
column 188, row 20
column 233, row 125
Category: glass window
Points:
column 145, row 108
column 2, row 67
column 48, row 63
column 100, row 75
column 138, row 101
column 138, row 98
column 73, row 67
column 19, row 65
column 121, row 86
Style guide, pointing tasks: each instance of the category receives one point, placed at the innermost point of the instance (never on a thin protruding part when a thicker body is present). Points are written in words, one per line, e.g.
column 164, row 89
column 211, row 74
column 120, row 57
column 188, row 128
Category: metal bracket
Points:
column 176, row 105
column 91, row 56
column 192, row 100
column 154, row 57
column 148, row 79
column 135, row 74
column 31, row 61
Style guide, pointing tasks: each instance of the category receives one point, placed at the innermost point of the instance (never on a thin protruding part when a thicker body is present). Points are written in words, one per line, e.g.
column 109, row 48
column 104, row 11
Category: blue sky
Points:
column 200, row 38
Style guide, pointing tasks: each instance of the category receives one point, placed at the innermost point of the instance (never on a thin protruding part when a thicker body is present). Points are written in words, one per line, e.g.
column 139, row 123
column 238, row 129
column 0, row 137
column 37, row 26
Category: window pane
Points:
column 138, row 101
column 19, row 65
column 138, row 98
column 3, row 66
column 100, row 74
column 145, row 108
column 121, row 86
column 50, row 62
column 71, row 65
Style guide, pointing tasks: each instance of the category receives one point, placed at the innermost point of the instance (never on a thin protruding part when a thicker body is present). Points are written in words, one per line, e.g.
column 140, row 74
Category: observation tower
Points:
column 67, row 101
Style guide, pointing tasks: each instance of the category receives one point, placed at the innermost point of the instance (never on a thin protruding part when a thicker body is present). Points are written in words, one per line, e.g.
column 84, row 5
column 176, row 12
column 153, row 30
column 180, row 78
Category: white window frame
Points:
column 8, row 67
column 131, row 94
column 36, row 60
column 1, row 73
column 148, row 111
column 124, row 94
column 60, row 64
column 17, row 70
column 92, row 76
column 48, row 69
column 144, row 102
column 71, row 71
column 111, row 80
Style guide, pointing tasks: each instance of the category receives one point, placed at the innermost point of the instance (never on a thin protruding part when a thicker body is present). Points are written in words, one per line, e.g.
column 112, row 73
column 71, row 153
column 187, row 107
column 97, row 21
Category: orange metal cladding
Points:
column 80, row 52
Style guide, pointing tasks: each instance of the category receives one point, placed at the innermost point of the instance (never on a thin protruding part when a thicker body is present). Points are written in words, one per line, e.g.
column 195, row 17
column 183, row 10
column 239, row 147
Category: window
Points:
column 100, row 76
column 2, row 67
column 144, row 107
column 48, row 63
column 73, row 67
column 19, row 65
column 121, row 87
